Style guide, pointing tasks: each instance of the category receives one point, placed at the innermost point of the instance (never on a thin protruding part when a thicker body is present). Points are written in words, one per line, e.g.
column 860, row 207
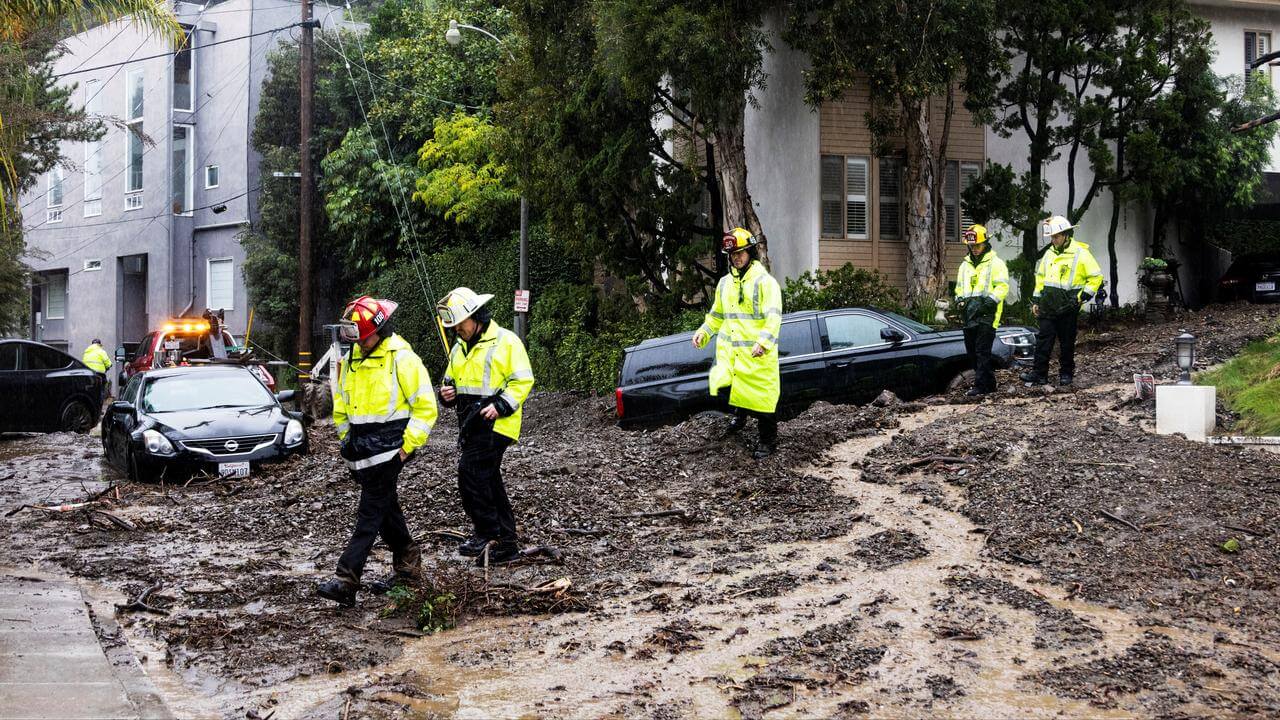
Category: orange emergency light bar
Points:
column 186, row 326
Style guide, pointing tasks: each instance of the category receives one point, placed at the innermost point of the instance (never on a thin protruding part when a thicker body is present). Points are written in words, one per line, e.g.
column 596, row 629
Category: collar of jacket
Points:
column 391, row 344
column 990, row 252
column 1071, row 246
column 479, row 337
column 488, row 335
column 752, row 268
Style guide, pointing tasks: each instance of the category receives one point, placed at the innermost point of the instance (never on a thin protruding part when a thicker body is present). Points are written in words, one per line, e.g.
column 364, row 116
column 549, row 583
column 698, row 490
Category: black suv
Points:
column 840, row 356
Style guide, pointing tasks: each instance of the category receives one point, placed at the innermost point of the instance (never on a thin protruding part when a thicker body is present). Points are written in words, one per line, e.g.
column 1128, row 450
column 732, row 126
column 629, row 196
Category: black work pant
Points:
column 1062, row 329
column 768, row 422
column 379, row 513
column 484, row 496
column 977, row 342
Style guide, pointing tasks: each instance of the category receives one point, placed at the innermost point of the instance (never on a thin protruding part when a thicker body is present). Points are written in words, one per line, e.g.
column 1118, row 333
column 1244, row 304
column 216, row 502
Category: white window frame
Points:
column 1257, row 35
column 189, row 190
column 133, row 129
column 48, row 287
column 208, row 282
column 189, row 33
column 92, row 264
column 851, row 197
column 217, row 172
column 53, row 211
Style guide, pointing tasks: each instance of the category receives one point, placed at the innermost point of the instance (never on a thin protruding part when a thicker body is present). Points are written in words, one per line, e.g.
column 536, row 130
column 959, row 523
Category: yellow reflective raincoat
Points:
column 96, row 358
column 747, row 311
column 384, row 403
column 981, row 288
column 496, row 365
column 1065, row 278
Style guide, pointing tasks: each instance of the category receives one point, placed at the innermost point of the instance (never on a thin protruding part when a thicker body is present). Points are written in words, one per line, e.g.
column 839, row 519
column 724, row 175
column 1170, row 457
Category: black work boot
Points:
column 975, row 392
column 737, row 423
column 1031, row 380
column 1028, row 376
column 1065, row 379
column 762, row 451
column 500, row 553
column 472, row 546
column 339, row 591
column 383, row 585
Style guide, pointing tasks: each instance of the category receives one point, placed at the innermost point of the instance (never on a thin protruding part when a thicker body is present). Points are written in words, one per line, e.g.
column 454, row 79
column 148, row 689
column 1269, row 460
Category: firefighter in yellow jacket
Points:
column 745, row 319
column 96, row 357
column 383, row 409
column 981, row 286
column 488, row 380
column 1067, row 276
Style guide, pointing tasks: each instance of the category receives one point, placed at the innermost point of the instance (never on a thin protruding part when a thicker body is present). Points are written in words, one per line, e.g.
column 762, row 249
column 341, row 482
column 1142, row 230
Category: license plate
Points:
column 172, row 344
column 1265, row 287
column 235, row 470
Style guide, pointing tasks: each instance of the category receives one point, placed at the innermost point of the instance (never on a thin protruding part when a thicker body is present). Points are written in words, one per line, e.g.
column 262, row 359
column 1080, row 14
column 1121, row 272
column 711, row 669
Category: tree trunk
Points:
column 717, row 210
column 1116, row 204
column 925, row 275
column 731, row 168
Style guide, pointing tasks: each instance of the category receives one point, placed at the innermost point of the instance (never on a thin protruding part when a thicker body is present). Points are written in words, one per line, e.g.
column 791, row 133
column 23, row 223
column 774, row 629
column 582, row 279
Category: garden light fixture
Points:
column 1186, row 344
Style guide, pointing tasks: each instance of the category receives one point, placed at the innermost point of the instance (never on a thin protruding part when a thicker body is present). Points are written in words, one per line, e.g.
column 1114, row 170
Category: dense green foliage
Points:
column 846, row 286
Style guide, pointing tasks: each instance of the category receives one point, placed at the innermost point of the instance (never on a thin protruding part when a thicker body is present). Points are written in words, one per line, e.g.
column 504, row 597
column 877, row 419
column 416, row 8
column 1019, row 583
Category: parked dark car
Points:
column 840, row 356
column 221, row 420
column 46, row 390
column 1253, row 277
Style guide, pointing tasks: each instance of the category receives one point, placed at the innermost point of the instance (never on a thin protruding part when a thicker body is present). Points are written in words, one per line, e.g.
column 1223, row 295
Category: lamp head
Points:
column 1186, row 347
column 453, row 35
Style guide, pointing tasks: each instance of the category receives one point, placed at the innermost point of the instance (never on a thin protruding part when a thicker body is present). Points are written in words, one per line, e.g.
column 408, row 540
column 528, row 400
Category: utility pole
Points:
column 307, row 72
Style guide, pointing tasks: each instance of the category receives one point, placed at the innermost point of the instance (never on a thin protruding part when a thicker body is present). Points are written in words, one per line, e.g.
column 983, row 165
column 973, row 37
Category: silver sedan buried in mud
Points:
column 220, row 420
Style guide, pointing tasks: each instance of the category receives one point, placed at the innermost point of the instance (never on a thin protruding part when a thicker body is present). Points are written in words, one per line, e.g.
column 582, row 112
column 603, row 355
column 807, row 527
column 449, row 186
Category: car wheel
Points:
column 963, row 379
column 136, row 474
column 75, row 417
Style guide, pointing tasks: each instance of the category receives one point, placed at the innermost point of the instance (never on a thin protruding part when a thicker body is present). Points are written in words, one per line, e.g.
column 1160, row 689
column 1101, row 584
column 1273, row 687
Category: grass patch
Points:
column 1250, row 384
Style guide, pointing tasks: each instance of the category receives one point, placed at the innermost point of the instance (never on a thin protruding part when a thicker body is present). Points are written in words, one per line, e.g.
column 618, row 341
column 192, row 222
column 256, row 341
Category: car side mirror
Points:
column 891, row 335
column 285, row 396
column 122, row 406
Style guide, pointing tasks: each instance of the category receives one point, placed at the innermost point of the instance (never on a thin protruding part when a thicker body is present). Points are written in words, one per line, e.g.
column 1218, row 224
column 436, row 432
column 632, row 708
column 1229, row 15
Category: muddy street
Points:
column 1040, row 553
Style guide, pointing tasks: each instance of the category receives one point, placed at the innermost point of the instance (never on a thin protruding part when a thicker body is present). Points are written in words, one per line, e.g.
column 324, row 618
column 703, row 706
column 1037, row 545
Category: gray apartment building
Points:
column 142, row 225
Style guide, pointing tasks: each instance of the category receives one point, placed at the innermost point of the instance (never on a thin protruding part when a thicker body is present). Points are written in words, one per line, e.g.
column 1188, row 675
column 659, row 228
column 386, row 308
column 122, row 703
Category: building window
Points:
column 959, row 175
column 55, row 303
column 184, row 75
column 210, row 177
column 134, row 91
column 53, row 198
column 93, row 264
column 183, row 172
column 1256, row 44
column 93, row 153
column 220, row 284
column 844, row 196
column 891, row 198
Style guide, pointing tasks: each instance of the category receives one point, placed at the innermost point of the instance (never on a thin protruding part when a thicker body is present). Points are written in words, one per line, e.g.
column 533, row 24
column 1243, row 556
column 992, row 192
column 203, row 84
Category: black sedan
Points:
column 46, row 390
column 1253, row 277
column 218, row 419
column 840, row 356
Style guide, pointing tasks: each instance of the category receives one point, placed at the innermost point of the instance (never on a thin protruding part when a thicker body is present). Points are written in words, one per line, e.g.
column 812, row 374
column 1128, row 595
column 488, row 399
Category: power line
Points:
column 313, row 23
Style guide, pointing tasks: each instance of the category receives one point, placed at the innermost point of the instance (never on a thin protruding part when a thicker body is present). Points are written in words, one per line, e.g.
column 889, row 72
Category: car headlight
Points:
column 293, row 433
column 156, row 443
column 1018, row 340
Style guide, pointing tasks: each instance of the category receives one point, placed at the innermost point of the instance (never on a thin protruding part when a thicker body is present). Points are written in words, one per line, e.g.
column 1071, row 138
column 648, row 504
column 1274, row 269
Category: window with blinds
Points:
column 832, row 196
column 55, row 303
column 855, row 209
column 220, row 290
column 891, row 198
column 845, row 206
column 1256, row 44
column 969, row 172
column 958, row 176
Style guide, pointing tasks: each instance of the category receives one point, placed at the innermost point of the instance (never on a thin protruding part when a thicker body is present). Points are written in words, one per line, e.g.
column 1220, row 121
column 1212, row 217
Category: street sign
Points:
column 522, row 301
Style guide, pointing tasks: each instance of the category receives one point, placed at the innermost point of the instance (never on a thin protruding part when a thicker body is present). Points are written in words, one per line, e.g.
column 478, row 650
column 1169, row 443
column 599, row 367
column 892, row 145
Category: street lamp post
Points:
column 454, row 37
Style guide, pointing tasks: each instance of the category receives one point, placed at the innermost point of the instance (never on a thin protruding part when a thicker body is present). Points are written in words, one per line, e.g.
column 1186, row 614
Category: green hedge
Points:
column 846, row 286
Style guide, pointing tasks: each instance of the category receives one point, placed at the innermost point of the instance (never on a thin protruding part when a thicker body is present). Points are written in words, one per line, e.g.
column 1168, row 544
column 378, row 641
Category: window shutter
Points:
column 968, row 176
column 856, row 198
column 832, row 196
column 890, row 199
column 951, row 199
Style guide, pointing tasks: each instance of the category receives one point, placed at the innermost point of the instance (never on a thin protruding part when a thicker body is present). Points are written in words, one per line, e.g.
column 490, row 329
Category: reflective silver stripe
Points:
column 766, row 336
column 372, row 419
column 342, row 427
column 521, row 375
column 395, row 384
column 1075, row 261
column 740, row 316
column 736, row 343
column 414, row 397
column 755, row 296
column 373, row 460
column 488, row 368
column 717, row 315
column 1060, row 286
column 416, row 424
column 470, row 390
column 511, row 400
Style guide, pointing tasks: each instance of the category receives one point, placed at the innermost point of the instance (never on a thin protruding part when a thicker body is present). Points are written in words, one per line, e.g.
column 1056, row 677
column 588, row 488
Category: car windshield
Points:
column 912, row 325
column 202, row 390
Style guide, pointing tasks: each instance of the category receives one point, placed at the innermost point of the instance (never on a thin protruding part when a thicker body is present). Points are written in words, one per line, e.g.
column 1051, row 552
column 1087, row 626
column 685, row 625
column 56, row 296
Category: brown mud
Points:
column 1039, row 553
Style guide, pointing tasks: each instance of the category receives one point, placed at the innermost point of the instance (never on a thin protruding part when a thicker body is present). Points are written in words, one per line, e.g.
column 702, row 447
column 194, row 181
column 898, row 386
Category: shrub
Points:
column 846, row 286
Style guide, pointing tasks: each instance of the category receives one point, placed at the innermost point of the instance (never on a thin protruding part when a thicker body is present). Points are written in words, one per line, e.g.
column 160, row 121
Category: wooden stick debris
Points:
column 1248, row 530
column 1122, row 521
column 115, row 520
column 930, row 459
column 657, row 514
column 141, row 602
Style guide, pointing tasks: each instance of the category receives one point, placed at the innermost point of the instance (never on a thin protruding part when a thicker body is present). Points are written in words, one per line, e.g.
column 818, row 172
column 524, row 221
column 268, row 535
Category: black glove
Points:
column 1085, row 297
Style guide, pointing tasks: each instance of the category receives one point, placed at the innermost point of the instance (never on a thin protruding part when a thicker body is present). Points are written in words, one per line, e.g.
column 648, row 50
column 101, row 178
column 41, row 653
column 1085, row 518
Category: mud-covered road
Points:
column 1036, row 554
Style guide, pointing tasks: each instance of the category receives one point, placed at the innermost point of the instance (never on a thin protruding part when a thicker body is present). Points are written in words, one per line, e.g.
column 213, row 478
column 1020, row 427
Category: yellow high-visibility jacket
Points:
column 496, row 365
column 747, row 311
column 96, row 358
column 384, row 403
column 982, row 287
column 1066, row 278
